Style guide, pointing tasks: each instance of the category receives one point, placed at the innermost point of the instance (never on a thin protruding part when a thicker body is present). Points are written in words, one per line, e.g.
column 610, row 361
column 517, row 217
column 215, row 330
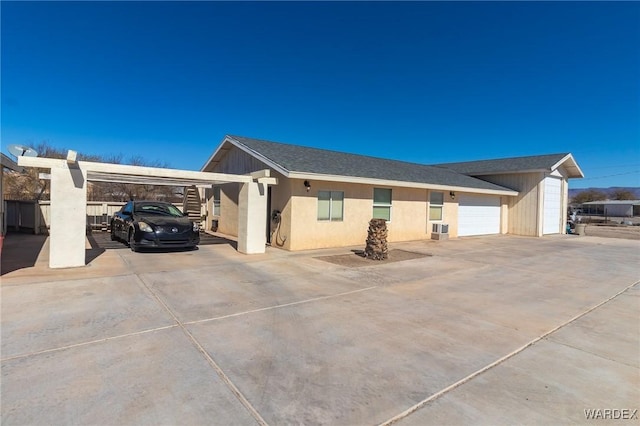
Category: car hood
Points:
column 163, row 220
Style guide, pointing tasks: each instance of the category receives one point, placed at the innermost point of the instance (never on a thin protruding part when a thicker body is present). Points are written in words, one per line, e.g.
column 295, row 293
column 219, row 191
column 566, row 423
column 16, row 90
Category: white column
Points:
column 252, row 218
column 68, row 217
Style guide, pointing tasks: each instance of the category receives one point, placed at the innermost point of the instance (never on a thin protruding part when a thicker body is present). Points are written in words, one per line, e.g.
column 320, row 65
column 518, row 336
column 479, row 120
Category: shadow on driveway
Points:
column 20, row 251
column 101, row 241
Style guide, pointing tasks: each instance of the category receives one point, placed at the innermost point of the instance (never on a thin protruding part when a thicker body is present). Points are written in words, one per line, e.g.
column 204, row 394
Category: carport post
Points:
column 252, row 218
column 68, row 216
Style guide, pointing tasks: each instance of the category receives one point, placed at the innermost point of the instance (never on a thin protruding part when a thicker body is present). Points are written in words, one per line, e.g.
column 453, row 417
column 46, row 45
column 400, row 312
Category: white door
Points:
column 552, row 205
column 478, row 215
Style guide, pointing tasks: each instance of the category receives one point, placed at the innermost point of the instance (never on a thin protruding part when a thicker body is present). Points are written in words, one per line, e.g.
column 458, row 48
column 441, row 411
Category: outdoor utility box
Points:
column 439, row 231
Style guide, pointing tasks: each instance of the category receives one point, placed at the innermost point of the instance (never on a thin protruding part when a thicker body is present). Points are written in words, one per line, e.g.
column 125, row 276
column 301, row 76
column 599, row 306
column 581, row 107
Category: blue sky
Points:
column 425, row 82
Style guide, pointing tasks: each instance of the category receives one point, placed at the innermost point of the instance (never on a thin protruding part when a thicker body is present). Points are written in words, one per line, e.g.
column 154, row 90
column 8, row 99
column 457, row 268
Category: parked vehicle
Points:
column 154, row 224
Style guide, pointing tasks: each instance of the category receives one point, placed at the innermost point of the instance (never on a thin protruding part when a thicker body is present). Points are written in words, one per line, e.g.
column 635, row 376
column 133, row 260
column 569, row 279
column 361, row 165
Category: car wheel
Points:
column 113, row 234
column 132, row 243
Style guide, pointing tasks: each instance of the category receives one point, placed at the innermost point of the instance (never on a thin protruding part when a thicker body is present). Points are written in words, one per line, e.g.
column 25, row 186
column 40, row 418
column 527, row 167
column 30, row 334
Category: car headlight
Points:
column 145, row 227
column 195, row 226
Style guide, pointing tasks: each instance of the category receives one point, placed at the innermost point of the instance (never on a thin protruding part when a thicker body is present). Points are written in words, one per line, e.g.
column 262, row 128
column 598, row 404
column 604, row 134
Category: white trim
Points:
column 396, row 183
column 249, row 151
column 573, row 165
column 139, row 171
column 350, row 179
column 552, row 205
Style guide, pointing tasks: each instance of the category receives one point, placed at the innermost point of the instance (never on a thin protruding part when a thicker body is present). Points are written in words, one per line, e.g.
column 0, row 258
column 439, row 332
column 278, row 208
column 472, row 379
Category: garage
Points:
column 552, row 205
column 478, row 215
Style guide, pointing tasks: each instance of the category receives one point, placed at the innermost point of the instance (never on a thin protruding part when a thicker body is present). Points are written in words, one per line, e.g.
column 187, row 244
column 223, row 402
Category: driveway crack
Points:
column 499, row 361
column 227, row 381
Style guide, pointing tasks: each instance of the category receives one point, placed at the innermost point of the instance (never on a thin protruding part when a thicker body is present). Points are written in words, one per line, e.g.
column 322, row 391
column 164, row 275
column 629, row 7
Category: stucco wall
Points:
column 408, row 215
column 235, row 161
column 228, row 218
column 299, row 227
column 281, row 201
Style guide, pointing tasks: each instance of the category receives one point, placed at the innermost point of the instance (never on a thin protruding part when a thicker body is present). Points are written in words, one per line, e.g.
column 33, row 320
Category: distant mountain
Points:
column 634, row 190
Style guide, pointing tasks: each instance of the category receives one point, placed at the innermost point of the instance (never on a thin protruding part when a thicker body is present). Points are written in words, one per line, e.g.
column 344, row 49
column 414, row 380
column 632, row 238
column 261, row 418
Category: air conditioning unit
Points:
column 440, row 228
column 439, row 231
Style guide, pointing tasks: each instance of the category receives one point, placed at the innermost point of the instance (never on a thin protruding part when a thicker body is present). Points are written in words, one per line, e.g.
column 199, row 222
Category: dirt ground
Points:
column 627, row 232
column 356, row 259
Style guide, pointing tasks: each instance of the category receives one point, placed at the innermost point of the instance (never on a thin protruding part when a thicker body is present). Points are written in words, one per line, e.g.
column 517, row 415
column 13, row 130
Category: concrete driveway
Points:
column 490, row 330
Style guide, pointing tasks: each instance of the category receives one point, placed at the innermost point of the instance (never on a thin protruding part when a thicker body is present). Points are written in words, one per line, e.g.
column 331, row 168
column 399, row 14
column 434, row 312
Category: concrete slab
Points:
column 306, row 341
column 616, row 321
column 227, row 289
column 590, row 364
column 154, row 378
column 352, row 359
column 42, row 316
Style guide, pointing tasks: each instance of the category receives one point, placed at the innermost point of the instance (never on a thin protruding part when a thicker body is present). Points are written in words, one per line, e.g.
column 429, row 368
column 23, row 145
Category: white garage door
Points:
column 478, row 215
column 552, row 205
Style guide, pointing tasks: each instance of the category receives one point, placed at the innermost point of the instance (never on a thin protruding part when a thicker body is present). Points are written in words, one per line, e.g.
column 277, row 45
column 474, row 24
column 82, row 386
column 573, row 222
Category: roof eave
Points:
column 8, row 163
column 572, row 168
column 242, row 147
column 405, row 184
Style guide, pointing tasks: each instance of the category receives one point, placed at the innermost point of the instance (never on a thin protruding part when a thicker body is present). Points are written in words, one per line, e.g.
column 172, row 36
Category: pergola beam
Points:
column 142, row 171
column 69, row 198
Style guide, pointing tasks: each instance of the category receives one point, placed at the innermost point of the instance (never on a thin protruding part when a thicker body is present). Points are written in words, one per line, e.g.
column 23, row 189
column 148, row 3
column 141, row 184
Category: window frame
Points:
column 331, row 203
column 432, row 205
column 215, row 203
column 385, row 205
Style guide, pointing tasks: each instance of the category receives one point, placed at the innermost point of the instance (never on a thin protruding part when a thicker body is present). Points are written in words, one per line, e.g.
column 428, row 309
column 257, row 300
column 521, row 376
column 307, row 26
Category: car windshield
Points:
column 161, row 209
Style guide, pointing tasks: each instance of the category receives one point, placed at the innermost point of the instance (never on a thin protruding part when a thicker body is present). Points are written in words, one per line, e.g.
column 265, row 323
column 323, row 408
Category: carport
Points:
column 69, row 179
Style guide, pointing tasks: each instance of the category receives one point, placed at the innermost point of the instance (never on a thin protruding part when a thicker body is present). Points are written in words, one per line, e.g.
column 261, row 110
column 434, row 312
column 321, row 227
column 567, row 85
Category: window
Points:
column 330, row 205
column 436, row 205
column 216, row 201
column 382, row 203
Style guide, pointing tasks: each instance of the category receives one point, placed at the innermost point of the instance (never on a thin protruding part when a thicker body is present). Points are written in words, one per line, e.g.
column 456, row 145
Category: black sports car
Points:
column 154, row 224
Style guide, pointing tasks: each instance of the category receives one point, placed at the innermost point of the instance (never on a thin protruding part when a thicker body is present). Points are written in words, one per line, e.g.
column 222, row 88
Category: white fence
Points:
column 34, row 216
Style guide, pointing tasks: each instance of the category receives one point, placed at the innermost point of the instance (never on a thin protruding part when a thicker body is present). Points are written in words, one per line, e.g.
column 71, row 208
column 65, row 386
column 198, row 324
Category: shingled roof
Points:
column 532, row 163
column 300, row 161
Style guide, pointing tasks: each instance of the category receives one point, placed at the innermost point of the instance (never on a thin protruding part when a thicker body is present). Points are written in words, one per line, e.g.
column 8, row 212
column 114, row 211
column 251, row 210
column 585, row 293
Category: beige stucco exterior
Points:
column 409, row 209
column 300, row 229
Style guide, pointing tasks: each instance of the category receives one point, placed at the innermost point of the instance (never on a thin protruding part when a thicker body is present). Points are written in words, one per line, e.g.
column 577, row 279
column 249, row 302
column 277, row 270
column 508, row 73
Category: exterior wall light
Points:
column 452, row 195
column 307, row 185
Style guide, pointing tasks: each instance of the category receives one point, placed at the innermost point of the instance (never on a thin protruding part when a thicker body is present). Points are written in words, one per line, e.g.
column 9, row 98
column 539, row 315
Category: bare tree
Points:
column 589, row 195
column 29, row 186
column 622, row 194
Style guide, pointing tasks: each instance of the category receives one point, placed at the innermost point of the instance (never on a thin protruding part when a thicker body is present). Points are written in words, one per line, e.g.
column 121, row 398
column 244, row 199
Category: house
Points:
column 326, row 198
column 612, row 208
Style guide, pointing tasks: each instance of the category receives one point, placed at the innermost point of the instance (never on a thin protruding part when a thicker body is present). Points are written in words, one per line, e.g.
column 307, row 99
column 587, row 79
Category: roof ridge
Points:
column 330, row 150
column 504, row 158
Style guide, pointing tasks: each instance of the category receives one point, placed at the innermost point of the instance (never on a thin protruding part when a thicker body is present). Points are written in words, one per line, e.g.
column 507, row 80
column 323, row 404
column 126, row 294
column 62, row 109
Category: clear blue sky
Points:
column 424, row 82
